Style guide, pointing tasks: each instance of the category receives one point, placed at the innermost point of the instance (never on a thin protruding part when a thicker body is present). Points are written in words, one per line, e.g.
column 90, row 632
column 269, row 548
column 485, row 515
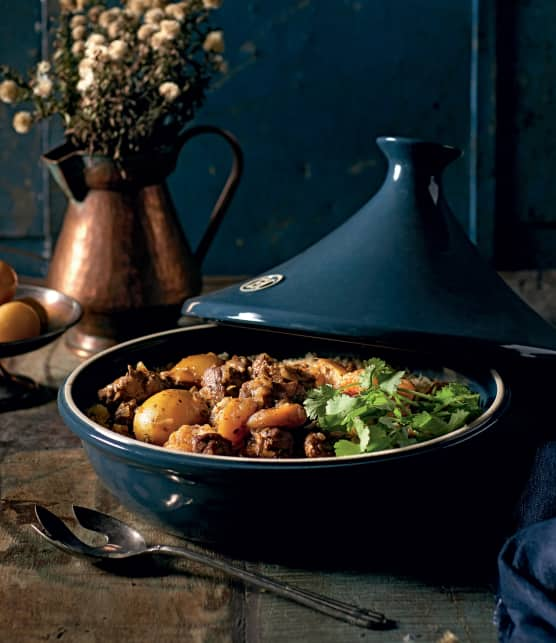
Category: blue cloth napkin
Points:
column 526, row 609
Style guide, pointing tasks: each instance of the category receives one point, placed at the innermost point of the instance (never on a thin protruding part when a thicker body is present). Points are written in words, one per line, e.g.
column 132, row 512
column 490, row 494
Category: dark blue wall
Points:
column 311, row 84
column 21, row 189
column 526, row 157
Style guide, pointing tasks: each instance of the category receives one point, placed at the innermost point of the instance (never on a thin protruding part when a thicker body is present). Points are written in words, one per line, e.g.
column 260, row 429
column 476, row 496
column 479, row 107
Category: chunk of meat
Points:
column 224, row 380
column 199, row 439
column 322, row 370
column 270, row 442
column 262, row 366
column 213, row 389
column 125, row 413
column 318, row 445
column 286, row 415
column 138, row 384
column 327, row 371
column 292, row 383
column 235, row 371
column 190, row 370
column 258, row 389
column 273, row 381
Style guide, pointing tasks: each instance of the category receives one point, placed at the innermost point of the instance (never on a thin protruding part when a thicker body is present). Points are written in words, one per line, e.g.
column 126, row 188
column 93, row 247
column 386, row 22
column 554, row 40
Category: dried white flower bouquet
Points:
column 125, row 76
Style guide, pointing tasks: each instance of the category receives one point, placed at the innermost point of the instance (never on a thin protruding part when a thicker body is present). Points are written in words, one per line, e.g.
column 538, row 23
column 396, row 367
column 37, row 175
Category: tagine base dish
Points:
column 434, row 495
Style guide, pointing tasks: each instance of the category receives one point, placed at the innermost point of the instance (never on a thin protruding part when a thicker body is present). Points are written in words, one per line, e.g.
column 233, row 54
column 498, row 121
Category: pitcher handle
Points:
column 229, row 188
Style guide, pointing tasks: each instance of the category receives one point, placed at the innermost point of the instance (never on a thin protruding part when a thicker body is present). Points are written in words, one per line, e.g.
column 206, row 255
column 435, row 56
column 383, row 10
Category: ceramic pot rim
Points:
column 153, row 455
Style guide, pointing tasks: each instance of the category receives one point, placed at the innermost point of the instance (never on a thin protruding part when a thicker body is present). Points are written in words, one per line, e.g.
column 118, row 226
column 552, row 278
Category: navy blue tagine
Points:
column 401, row 268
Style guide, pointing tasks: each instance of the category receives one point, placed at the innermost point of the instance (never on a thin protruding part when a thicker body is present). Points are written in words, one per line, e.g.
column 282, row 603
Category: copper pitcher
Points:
column 121, row 251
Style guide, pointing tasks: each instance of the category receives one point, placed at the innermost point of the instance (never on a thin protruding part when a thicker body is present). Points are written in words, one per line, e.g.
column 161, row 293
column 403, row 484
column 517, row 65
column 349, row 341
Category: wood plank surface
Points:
column 48, row 595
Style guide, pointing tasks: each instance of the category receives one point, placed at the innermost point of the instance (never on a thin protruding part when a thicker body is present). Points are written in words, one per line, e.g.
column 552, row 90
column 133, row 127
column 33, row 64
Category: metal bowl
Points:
column 63, row 313
column 241, row 503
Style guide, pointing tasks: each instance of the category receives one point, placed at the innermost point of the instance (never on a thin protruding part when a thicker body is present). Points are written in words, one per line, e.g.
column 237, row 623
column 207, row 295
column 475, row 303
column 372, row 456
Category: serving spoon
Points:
column 124, row 542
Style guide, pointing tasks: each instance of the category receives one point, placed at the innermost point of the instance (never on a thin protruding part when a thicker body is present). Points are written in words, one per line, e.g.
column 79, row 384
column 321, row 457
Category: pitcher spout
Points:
column 67, row 167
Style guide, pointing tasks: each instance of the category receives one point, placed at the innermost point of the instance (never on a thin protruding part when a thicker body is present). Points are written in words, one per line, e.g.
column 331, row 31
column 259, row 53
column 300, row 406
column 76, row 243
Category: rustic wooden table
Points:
column 48, row 595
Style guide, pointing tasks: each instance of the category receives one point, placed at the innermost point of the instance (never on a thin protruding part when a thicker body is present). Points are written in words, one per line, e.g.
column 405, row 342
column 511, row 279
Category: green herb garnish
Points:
column 387, row 413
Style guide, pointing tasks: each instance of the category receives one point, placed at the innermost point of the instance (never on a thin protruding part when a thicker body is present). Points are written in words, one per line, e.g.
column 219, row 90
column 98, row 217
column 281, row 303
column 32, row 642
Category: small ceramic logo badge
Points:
column 260, row 283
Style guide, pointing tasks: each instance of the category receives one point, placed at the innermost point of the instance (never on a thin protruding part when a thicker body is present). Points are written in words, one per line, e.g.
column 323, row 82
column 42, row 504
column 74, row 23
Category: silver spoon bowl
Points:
column 123, row 542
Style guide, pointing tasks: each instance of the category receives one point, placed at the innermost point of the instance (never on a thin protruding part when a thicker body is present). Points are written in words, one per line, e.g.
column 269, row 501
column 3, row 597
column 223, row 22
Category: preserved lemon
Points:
column 165, row 411
column 8, row 282
column 18, row 321
column 39, row 309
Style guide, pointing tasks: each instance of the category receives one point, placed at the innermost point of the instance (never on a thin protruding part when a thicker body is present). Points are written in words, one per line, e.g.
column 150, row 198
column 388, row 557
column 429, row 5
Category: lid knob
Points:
column 420, row 155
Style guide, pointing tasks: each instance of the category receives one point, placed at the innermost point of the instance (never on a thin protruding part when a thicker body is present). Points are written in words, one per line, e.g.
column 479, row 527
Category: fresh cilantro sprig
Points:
column 385, row 414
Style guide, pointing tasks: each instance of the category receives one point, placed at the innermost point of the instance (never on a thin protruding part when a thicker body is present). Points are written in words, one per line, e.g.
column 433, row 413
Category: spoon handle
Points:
column 353, row 614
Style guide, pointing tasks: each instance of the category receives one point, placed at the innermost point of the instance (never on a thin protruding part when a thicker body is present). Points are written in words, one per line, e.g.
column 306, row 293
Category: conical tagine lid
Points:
column 401, row 267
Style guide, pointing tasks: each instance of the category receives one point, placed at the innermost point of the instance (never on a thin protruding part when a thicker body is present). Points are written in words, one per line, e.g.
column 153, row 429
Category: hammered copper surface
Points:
column 122, row 252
